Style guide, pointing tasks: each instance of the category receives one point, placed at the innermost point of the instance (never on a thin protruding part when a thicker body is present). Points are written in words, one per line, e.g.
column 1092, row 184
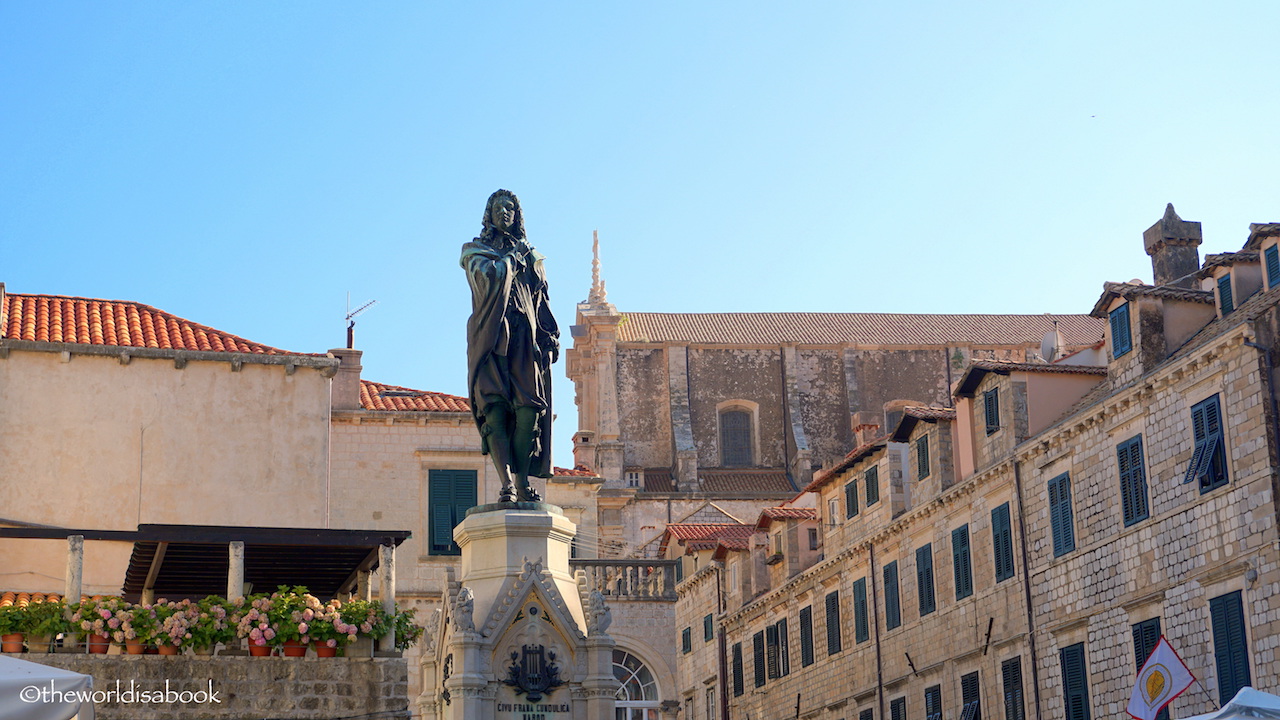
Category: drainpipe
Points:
column 722, row 646
column 1026, row 589
column 875, row 622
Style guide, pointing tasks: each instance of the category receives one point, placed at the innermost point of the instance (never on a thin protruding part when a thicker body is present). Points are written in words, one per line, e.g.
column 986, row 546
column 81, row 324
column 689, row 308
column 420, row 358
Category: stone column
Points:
column 387, row 571
column 600, row 687
column 235, row 571
column 686, row 460
column 73, row 587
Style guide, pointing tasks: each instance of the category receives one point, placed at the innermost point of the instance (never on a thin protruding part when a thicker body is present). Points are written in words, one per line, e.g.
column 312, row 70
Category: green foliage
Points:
column 14, row 619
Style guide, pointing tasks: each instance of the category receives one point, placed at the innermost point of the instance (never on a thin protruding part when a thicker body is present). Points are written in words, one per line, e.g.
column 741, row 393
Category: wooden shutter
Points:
column 784, row 649
column 867, row 714
column 1224, row 294
column 708, row 628
column 851, row 499
column 772, row 664
column 450, row 493
column 1060, row 517
column 1133, row 481
column 737, row 670
column 933, row 702
column 1075, row 683
column 1002, row 542
column 1011, row 672
column 873, row 485
column 970, row 697
column 1230, row 648
column 898, row 709
column 1146, row 635
column 735, row 438
column 924, row 578
column 757, row 652
column 1208, row 463
column 806, row 636
column 961, row 563
column 1272, row 255
column 922, row 457
column 1121, row 340
column 991, row 407
column 892, row 612
column 861, row 624
column 833, row 622
column 686, row 639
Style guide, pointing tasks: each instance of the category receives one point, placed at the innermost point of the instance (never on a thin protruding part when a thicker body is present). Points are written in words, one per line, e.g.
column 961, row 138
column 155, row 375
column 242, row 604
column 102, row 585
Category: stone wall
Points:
column 753, row 375
column 644, row 412
column 270, row 687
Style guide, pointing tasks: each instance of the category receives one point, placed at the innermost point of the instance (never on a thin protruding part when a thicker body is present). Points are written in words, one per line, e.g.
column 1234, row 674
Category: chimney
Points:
column 1173, row 246
column 346, row 383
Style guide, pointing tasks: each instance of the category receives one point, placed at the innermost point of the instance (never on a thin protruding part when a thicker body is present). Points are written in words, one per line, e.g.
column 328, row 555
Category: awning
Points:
column 31, row 691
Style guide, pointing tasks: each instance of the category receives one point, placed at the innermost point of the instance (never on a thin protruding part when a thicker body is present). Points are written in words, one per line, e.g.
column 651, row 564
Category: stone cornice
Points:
column 327, row 366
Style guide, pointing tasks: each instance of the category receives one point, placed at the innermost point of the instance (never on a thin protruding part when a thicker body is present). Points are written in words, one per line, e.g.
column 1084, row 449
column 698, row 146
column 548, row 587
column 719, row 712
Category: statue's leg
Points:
column 522, row 444
column 496, row 423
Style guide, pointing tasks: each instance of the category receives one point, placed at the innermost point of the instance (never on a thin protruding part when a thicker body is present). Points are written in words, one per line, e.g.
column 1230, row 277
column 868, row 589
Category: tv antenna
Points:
column 351, row 320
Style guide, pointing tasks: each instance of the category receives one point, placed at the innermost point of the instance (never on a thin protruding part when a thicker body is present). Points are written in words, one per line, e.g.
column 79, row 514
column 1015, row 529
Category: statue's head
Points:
column 502, row 215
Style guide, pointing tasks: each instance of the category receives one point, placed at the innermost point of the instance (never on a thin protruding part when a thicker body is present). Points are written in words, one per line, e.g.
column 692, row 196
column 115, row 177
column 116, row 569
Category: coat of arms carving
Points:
column 533, row 672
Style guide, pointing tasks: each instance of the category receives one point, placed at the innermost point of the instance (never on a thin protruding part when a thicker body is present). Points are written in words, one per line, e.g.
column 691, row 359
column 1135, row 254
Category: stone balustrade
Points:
column 630, row 579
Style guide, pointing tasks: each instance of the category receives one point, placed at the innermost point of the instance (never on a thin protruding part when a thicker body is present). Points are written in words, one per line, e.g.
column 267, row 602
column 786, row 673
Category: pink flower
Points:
column 269, row 634
column 255, row 634
column 366, row 627
column 302, row 628
column 331, row 643
column 113, row 623
column 307, row 615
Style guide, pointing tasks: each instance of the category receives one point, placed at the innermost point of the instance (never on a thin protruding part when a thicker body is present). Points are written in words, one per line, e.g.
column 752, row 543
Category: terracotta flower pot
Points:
column 168, row 649
column 134, row 647
column 99, row 644
column 259, row 650
column 323, row 650
column 11, row 643
column 294, row 648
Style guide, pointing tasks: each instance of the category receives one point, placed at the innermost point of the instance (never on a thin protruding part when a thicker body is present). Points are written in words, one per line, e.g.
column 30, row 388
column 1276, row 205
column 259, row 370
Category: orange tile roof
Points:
column 372, row 398
column 853, row 458
column 858, row 328
column 702, row 531
column 22, row 599
column 737, row 481
column 659, row 480
column 579, row 471
column 979, row 368
column 1113, row 290
column 118, row 323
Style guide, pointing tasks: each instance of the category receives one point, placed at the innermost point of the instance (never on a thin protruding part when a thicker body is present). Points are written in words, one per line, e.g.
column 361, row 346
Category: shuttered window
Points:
column 892, row 611
column 708, row 628
column 1011, row 676
column 758, row 657
column 961, row 562
column 1002, row 542
column 1121, row 340
column 1209, row 462
column 970, row 697
column 898, row 709
column 861, row 622
column 1075, row 682
column 737, row 670
column 1224, row 294
column 1133, row 480
column 851, row 499
column 867, row 714
column 450, row 493
column 922, row 457
column 735, row 438
column 784, row 648
column 1146, row 635
column 1230, row 648
column 873, row 485
column 833, row 622
column 1060, row 517
column 924, row 579
column 933, row 702
column 806, row 636
column 777, row 650
column 686, row 640
column 991, row 409
column 1272, row 256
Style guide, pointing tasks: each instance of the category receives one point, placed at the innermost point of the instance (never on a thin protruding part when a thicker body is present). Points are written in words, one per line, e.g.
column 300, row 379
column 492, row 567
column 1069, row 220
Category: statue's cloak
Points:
column 512, row 338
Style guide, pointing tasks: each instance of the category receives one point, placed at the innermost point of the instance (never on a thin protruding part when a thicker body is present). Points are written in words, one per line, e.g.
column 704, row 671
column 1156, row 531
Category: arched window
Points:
column 637, row 699
column 735, row 438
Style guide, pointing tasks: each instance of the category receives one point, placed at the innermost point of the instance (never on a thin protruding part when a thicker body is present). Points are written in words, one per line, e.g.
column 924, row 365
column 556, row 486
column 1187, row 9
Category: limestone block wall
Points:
column 699, row 669
column 823, row 405
column 750, row 374
column 646, row 628
column 644, row 412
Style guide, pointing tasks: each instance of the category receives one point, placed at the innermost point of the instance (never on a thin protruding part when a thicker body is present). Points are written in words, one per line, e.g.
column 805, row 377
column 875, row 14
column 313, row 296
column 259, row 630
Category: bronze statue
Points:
column 512, row 340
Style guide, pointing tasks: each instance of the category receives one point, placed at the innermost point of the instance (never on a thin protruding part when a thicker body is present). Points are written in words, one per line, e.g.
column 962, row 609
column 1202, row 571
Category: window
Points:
column 851, row 499
column 813, row 538
column 735, row 438
column 737, row 670
column 806, row 636
column 1075, row 682
column 892, row 611
column 450, row 493
column 679, row 570
column 933, row 702
column 757, row 656
column 833, row 511
column 711, row 702
column 873, row 485
column 833, row 622
column 686, row 640
column 898, row 708
column 861, row 626
column 1224, row 294
column 633, row 478
column 991, row 407
column 1230, row 649
column 1272, row 258
column 1002, row 542
column 961, row 563
column 924, row 579
column 1133, row 480
column 1209, row 463
column 708, row 629
column 1146, row 635
column 777, row 649
column 922, row 457
column 1060, row 519
column 970, row 697
column 867, row 714
column 1011, row 675
column 1121, row 340
column 637, row 697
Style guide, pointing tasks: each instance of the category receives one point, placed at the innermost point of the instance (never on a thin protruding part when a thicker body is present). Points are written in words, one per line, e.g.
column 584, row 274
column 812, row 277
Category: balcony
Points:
column 630, row 579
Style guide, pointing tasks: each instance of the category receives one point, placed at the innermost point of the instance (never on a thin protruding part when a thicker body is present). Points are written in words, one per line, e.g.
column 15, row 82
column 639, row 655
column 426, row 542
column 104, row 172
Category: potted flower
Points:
column 253, row 624
column 213, row 625
column 407, row 633
column 15, row 623
column 290, row 614
column 97, row 618
column 363, row 615
column 329, row 631
column 48, row 620
column 137, row 628
column 176, row 620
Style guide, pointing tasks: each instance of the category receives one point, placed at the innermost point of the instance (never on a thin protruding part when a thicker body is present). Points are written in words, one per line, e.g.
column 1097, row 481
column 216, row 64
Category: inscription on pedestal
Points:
column 534, row 711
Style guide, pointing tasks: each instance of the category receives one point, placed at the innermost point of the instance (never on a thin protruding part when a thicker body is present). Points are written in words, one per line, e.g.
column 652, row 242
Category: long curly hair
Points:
column 517, row 228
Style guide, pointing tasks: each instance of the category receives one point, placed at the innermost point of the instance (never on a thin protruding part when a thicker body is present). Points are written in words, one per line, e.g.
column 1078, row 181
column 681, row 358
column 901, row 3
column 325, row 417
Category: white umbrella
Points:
column 31, row 691
column 1248, row 703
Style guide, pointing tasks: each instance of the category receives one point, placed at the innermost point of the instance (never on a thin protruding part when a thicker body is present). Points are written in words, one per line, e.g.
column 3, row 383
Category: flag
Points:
column 1162, row 678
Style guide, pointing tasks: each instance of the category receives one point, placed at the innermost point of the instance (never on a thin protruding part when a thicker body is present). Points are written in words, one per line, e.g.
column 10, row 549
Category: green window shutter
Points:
column 1272, row 255
column 737, row 670
column 961, row 562
column 867, row 714
column 851, row 499
column 873, row 485
column 784, row 649
column 991, row 408
column 757, row 652
column 1133, row 480
column 892, row 611
column 1060, row 517
column 922, row 457
column 924, row 579
column 1075, row 682
column 1002, row 542
column 450, row 493
column 686, row 639
column 933, row 702
column 970, row 697
column 1224, row 294
column 833, row 622
column 806, row 636
column 898, row 709
column 1121, row 340
column 861, row 621
column 772, row 664
column 1146, row 635
column 708, row 628
column 1011, row 675
column 1230, row 648
column 1209, row 462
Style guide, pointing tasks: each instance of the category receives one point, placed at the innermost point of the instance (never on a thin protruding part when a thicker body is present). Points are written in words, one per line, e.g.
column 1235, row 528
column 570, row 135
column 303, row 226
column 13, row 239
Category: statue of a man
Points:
column 512, row 340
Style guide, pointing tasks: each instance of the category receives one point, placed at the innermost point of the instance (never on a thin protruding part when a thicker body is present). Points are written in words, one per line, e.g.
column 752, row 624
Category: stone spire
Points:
column 598, row 295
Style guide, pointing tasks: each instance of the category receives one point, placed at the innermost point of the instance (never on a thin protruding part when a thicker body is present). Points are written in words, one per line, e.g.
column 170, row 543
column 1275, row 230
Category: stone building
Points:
column 1019, row 553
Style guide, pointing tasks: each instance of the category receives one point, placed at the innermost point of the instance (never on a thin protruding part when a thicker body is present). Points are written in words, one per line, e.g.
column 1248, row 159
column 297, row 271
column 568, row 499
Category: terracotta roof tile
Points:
column 375, row 396
column 789, row 513
column 913, row 415
column 1259, row 232
column 979, row 368
column 579, row 471
column 857, row 328
column 22, row 599
column 659, row 480
column 1112, row 290
column 1226, row 260
column 853, row 458
column 703, row 531
column 735, row 481
column 118, row 323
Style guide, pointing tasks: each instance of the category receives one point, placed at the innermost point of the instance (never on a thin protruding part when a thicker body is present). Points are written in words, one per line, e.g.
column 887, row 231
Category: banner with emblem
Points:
column 1162, row 678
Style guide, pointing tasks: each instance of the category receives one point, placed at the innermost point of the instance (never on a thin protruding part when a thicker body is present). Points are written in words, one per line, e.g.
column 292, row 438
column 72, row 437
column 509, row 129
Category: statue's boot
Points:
column 522, row 446
column 499, row 441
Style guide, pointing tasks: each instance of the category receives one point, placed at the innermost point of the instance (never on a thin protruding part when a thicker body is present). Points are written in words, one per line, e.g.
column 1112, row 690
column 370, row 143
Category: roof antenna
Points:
column 351, row 320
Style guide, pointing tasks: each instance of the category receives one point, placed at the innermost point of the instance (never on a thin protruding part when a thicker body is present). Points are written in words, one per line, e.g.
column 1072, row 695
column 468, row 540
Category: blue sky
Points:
column 247, row 165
